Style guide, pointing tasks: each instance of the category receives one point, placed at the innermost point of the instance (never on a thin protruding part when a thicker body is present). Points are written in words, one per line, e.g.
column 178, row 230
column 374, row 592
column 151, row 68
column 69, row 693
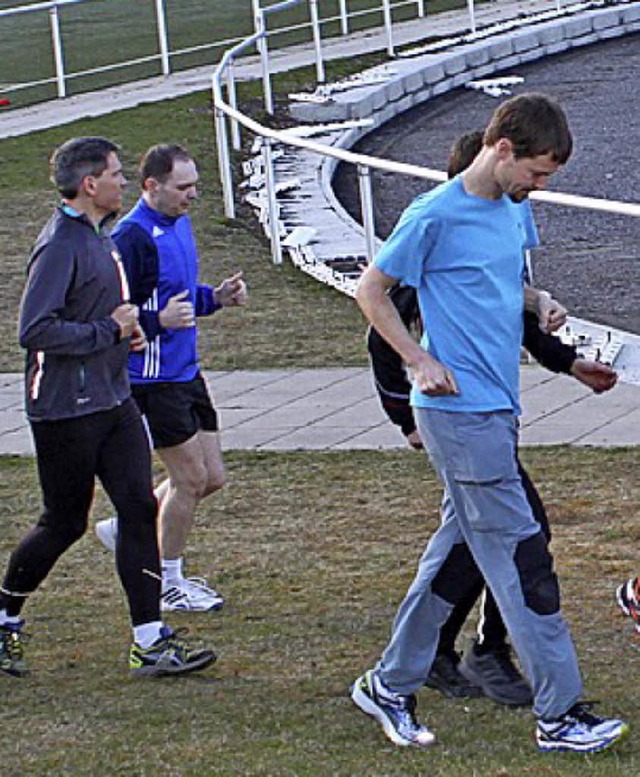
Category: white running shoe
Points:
column 107, row 531
column 189, row 593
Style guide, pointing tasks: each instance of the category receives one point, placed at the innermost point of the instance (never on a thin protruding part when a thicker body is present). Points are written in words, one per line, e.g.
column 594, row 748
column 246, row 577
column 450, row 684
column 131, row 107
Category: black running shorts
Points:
column 174, row 412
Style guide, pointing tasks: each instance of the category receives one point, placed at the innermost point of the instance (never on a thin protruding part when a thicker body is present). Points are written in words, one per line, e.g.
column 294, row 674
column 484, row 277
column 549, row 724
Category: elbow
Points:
column 27, row 338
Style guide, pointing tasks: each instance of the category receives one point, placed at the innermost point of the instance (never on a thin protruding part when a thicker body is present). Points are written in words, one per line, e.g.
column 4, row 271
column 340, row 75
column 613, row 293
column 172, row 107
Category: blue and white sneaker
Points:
column 394, row 712
column 580, row 731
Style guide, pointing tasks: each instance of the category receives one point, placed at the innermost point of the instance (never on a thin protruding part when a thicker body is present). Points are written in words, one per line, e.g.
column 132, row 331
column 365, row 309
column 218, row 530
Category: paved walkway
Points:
column 332, row 409
column 21, row 121
column 337, row 409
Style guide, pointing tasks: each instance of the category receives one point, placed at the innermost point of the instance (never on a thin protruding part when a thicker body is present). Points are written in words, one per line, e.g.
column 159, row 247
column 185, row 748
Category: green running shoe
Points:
column 168, row 655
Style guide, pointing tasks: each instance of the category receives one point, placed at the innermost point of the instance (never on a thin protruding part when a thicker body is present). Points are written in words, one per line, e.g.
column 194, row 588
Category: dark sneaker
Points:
column 580, row 731
column 497, row 676
column 11, row 652
column 394, row 712
column 445, row 676
column 628, row 596
column 168, row 655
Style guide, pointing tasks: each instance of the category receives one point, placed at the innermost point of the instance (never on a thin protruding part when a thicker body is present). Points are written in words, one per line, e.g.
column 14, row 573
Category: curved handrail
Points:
column 363, row 162
column 388, row 165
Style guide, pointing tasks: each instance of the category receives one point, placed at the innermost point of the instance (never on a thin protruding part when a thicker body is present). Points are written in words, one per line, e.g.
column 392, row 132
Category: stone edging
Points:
column 312, row 202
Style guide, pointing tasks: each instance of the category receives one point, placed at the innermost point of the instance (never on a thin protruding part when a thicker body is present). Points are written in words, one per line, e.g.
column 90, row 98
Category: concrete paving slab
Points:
column 551, row 396
column 382, row 437
column 247, row 438
column 623, row 431
column 308, row 438
column 16, row 443
column 342, row 413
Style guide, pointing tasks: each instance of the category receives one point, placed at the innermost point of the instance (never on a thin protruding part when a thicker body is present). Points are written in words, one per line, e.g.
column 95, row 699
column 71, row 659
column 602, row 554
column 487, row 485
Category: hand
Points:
column 138, row 339
column 433, row 378
column 232, row 291
column 551, row 314
column 126, row 317
column 413, row 438
column 178, row 312
column 599, row 377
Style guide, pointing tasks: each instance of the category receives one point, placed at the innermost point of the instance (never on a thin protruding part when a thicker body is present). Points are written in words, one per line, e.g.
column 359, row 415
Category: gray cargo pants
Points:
column 487, row 528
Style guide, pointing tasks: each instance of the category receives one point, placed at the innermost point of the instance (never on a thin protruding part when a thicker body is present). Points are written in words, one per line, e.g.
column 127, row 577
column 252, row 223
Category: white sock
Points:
column 147, row 633
column 172, row 568
column 9, row 620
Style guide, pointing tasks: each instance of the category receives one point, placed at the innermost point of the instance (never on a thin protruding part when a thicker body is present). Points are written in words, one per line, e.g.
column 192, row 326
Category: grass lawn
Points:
column 291, row 319
column 100, row 33
column 313, row 552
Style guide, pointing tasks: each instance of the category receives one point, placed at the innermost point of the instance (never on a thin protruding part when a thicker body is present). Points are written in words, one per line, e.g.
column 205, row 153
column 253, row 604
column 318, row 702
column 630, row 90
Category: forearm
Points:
column 383, row 316
column 68, row 338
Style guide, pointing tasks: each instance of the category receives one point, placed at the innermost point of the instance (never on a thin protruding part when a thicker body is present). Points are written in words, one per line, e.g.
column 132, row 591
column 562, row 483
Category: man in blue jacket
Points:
column 161, row 262
column 78, row 325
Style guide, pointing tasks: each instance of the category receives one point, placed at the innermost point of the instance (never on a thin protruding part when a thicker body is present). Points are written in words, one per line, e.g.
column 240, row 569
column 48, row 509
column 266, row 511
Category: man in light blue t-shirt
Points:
column 461, row 246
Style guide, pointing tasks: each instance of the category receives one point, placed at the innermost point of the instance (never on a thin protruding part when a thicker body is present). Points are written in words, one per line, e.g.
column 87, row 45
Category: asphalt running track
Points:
column 591, row 261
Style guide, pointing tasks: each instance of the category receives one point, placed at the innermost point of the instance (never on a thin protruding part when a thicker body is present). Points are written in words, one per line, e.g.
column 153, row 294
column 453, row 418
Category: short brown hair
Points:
column 159, row 160
column 535, row 124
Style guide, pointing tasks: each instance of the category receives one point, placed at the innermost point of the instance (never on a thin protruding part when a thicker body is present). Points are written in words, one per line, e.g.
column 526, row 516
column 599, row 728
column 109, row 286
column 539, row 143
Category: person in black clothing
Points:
column 77, row 325
column 486, row 668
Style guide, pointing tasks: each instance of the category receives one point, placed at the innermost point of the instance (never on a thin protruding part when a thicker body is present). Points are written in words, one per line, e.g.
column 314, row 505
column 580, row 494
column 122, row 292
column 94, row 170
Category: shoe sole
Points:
column 14, row 672
column 603, row 744
column 203, row 662
column 190, row 608
column 366, row 704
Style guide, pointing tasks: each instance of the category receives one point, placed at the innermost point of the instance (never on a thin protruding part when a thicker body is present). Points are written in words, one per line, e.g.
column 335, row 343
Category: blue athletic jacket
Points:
column 161, row 260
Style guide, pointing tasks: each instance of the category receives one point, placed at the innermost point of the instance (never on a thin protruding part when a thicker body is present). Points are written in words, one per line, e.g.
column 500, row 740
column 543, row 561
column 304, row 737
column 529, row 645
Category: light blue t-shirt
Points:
column 465, row 256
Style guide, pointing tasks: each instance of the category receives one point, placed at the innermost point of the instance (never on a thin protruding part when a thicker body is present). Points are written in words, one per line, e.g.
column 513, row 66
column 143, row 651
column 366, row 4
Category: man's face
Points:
column 174, row 196
column 519, row 177
column 106, row 189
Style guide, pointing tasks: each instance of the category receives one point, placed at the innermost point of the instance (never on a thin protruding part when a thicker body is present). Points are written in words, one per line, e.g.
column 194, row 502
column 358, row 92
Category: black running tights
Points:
column 113, row 446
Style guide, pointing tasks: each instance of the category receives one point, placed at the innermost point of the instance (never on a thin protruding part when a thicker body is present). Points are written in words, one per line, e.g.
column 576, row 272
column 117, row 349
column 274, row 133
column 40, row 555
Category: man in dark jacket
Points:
column 77, row 325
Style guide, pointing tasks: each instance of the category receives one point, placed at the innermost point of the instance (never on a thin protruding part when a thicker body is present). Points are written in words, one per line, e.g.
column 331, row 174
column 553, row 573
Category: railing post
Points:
column 366, row 205
column 272, row 203
column 472, row 15
column 162, row 37
column 421, row 12
column 317, row 40
column 260, row 28
column 58, row 53
column 224, row 163
column 236, row 140
column 388, row 24
column 344, row 17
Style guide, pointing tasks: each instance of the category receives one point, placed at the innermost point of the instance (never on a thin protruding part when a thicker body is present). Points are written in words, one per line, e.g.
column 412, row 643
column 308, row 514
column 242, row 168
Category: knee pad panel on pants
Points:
column 537, row 578
column 456, row 576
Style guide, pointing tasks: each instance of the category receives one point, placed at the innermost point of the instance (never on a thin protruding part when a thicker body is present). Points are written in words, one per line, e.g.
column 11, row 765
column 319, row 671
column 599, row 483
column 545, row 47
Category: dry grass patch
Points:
column 313, row 552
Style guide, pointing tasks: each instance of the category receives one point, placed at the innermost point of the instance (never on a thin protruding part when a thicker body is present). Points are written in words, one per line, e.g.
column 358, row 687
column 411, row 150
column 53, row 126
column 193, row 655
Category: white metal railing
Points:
column 364, row 163
column 165, row 53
